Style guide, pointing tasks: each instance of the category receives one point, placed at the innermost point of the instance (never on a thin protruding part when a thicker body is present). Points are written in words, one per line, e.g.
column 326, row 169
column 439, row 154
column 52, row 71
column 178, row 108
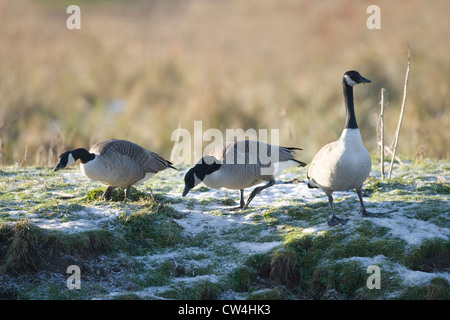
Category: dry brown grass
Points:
column 232, row 64
column 22, row 253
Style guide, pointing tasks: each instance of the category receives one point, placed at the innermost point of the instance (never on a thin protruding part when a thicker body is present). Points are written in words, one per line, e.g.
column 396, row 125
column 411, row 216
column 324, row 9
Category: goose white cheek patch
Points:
column 196, row 180
column 70, row 160
column 349, row 81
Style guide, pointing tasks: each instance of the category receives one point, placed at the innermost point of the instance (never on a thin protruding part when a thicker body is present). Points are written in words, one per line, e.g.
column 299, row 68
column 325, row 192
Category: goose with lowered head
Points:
column 115, row 163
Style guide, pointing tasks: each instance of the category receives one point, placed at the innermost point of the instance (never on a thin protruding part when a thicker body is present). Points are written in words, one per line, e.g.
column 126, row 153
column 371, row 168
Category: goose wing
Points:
column 255, row 152
column 322, row 165
column 148, row 160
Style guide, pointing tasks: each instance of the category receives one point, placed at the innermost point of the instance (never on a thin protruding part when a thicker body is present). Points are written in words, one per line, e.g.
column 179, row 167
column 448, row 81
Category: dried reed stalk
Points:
column 405, row 90
column 382, row 133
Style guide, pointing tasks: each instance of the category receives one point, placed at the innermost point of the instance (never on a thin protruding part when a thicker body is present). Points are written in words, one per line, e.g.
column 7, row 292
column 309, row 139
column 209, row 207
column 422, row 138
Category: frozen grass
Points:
column 195, row 248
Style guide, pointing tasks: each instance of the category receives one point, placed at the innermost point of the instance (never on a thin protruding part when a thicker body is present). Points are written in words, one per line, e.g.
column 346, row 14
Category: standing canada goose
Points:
column 116, row 163
column 343, row 164
column 239, row 165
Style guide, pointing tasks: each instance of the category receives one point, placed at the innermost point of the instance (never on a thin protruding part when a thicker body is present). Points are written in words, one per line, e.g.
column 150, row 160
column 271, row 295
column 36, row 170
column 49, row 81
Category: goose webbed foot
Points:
column 242, row 204
column 368, row 214
column 235, row 208
column 336, row 221
column 108, row 193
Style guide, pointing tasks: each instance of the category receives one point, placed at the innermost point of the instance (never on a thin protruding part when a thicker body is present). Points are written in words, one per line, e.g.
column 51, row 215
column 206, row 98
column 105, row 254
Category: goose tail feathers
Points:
column 300, row 163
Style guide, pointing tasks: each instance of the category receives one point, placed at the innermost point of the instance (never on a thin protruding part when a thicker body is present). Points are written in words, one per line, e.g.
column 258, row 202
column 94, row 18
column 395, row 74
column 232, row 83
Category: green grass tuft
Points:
column 149, row 229
column 431, row 256
column 437, row 289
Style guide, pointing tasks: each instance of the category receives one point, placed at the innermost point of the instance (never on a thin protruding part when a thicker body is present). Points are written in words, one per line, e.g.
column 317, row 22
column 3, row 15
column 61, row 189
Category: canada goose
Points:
column 116, row 163
column 240, row 165
column 343, row 164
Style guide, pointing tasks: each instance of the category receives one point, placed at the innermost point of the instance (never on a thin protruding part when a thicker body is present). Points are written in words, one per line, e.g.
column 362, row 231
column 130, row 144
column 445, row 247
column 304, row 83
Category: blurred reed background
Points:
column 138, row 70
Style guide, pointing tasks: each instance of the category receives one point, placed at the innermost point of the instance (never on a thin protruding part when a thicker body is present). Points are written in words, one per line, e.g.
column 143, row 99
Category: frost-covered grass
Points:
column 172, row 247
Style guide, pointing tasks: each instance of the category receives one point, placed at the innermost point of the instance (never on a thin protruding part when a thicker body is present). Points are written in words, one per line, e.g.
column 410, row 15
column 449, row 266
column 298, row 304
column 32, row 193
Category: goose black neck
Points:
column 350, row 120
column 82, row 154
column 204, row 168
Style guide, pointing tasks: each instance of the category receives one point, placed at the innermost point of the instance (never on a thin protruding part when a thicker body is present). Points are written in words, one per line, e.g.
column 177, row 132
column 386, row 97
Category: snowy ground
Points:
column 221, row 241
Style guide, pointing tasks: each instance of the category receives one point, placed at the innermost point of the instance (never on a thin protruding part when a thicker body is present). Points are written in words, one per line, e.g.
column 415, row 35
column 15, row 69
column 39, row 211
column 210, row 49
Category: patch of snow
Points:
column 207, row 277
column 75, row 226
column 85, row 220
column 257, row 247
column 367, row 261
column 196, row 221
column 413, row 231
column 409, row 277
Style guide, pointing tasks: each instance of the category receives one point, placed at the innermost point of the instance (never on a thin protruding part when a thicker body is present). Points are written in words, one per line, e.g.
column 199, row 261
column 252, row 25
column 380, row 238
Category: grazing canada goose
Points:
column 240, row 165
column 343, row 164
column 116, row 163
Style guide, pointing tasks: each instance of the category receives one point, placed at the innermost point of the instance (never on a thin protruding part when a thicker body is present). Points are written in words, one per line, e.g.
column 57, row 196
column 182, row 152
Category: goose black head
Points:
column 195, row 175
column 190, row 181
column 65, row 159
column 352, row 78
column 70, row 157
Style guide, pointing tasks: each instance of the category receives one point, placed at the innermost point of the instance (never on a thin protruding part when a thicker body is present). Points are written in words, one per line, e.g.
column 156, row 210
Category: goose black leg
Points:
column 334, row 221
column 241, row 205
column 366, row 213
column 242, row 202
column 108, row 193
column 258, row 190
column 127, row 193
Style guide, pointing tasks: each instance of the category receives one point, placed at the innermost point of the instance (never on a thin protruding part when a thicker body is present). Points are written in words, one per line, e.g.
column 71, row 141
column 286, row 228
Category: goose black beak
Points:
column 365, row 80
column 186, row 190
column 58, row 167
